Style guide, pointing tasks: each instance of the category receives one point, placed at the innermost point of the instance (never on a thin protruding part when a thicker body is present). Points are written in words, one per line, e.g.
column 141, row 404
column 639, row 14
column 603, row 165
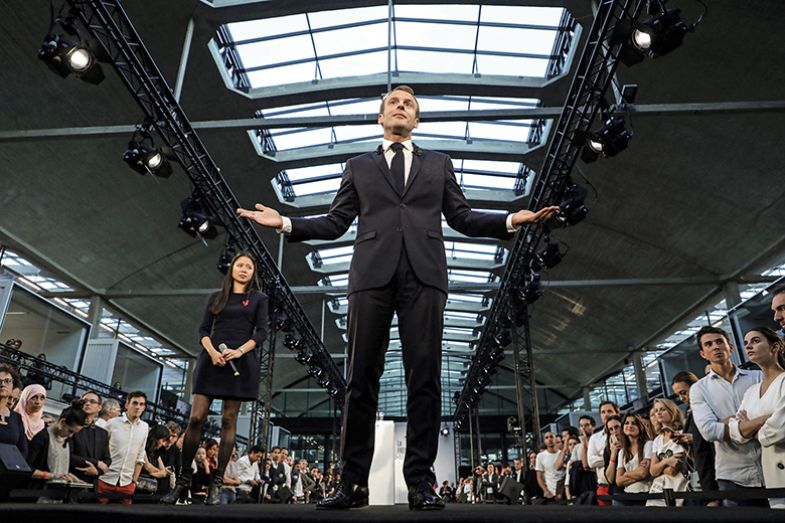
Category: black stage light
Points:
column 225, row 260
column 292, row 343
column 315, row 371
column 572, row 207
column 656, row 36
column 64, row 57
column 304, row 358
column 502, row 338
column 196, row 219
column 284, row 324
column 333, row 390
column 549, row 257
column 323, row 382
column 143, row 157
column 445, row 431
column 497, row 355
column 608, row 141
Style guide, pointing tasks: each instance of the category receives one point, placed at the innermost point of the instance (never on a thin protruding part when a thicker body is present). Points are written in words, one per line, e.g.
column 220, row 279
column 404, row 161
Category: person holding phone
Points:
column 667, row 453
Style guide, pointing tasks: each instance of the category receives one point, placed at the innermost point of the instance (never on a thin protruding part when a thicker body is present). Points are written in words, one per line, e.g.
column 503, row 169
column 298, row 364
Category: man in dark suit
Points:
column 400, row 193
column 90, row 446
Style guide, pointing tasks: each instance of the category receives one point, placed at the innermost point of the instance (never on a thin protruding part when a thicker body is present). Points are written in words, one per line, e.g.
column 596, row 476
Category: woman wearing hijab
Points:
column 31, row 408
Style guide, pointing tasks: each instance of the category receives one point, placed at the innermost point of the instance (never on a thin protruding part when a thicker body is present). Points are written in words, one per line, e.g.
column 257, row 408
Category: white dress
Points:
column 771, row 435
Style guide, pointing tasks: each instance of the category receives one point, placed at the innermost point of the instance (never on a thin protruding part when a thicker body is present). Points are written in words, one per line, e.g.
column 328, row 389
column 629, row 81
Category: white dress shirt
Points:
column 126, row 447
column 712, row 399
column 247, row 471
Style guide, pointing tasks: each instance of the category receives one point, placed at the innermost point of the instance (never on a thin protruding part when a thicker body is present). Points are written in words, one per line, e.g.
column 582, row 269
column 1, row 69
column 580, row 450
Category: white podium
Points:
column 381, row 480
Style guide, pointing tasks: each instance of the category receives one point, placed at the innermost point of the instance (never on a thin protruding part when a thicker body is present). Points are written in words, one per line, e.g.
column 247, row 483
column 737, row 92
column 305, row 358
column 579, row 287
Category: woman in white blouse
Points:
column 632, row 464
column 762, row 411
column 667, row 455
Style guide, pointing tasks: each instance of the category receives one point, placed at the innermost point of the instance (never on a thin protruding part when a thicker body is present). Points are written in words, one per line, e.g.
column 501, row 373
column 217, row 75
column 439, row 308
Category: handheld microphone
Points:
column 222, row 348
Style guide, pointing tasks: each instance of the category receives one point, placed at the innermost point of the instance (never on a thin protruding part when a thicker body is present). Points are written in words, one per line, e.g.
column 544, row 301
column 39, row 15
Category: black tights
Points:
column 193, row 434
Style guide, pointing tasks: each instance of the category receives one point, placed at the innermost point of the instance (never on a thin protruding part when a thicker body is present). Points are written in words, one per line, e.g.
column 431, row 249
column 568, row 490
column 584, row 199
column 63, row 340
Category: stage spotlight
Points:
column 196, row 219
column 530, row 289
column 65, row 57
column 656, row 36
column 323, row 382
column 284, row 325
column 333, row 390
column 445, row 431
column 610, row 140
column 292, row 343
column 225, row 260
column 572, row 207
column 497, row 355
column 143, row 157
column 304, row 358
column 549, row 257
column 502, row 338
column 315, row 372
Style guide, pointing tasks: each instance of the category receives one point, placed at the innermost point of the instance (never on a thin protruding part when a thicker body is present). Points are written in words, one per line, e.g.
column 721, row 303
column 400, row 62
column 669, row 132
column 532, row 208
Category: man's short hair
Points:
column 609, row 402
column 684, row 376
column 255, row 448
column 94, row 393
column 591, row 419
column 571, row 431
column 174, row 427
column 708, row 329
column 8, row 369
column 136, row 394
column 405, row 89
column 778, row 290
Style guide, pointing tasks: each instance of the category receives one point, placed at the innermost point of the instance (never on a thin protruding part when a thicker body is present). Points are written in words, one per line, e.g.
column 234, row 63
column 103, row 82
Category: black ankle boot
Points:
column 214, row 492
column 180, row 491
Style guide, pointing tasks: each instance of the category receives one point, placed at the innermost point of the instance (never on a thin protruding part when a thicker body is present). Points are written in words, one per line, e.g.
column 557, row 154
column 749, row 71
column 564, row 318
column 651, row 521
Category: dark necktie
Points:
column 397, row 167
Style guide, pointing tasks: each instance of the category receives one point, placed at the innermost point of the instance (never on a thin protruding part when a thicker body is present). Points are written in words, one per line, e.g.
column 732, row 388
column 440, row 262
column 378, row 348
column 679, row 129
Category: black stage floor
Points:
column 31, row 513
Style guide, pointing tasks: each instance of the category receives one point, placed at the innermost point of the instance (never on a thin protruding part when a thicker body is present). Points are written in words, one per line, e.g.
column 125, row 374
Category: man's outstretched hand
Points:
column 265, row 216
column 523, row 216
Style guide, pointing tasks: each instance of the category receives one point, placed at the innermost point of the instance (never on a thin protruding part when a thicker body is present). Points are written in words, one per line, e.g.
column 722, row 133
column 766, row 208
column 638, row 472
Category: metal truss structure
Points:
column 509, row 313
column 108, row 23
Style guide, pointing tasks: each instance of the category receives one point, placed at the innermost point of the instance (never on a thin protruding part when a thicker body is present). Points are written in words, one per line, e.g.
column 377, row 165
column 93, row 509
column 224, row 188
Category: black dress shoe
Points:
column 345, row 496
column 179, row 494
column 423, row 497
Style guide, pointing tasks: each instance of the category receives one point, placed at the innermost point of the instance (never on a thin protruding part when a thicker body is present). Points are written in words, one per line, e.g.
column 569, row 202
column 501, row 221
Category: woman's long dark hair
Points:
column 226, row 289
column 156, row 433
column 773, row 339
column 644, row 435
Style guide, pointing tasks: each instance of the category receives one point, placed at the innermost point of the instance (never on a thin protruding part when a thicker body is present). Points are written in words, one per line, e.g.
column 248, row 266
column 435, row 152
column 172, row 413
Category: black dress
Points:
column 241, row 320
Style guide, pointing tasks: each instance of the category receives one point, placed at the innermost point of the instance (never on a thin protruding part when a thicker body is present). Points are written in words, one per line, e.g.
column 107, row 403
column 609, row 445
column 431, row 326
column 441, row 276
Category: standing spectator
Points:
column 634, row 458
column 593, row 455
column 110, row 409
column 549, row 477
column 701, row 451
column 531, row 486
column 667, row 466
column 90, row 446
column 490, row 483
column 127, row 439
column 714, row 400
column 762, row 412
column 36, row 375
column 31, row 408
column 612, row 448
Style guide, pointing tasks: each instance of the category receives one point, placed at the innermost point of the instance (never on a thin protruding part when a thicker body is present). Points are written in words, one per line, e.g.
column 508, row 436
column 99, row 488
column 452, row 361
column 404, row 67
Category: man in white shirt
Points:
column 714, row 399
column 549, row 477
column 248, row 474
column 594, row 450
column 127, row 439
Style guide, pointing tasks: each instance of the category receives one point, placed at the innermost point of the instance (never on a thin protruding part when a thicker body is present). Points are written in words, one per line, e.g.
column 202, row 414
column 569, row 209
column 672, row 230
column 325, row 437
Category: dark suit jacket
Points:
column 388, row 220
column 89, row 444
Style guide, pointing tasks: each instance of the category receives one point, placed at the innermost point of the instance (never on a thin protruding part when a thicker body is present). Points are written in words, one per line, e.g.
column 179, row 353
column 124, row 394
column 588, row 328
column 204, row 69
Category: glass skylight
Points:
column 441, row 39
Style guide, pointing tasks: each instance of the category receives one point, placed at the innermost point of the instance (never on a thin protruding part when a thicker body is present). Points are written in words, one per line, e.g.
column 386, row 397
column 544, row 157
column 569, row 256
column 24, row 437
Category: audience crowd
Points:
column 728, row 435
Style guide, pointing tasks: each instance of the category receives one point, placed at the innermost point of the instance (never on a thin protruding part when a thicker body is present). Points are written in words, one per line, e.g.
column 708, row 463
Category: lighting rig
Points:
column 71, row 53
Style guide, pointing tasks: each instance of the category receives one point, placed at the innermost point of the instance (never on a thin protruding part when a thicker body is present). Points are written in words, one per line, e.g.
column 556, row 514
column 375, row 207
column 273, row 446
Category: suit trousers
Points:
column 420, row 310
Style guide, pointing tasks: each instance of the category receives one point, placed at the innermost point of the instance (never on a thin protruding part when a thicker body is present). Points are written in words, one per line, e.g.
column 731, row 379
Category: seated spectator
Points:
column 12, row 429
column 203, row 472
column 762, row 412
column 90, row 446
column 172, row 455
column 110, row 409
column 153, row 465
column 667, row 455
column 248, row 475
column 49, row 452
column 633, row 460
column 31, row 408
column 231, row 480
column 445, row 492
column 698, row 449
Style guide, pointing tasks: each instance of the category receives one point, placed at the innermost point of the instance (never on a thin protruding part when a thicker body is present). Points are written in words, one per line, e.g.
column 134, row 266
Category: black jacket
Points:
column 389, row 220
column 91, row 444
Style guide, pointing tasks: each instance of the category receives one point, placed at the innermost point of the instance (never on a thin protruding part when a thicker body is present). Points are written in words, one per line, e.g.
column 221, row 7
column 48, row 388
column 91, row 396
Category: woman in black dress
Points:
column 236, row 316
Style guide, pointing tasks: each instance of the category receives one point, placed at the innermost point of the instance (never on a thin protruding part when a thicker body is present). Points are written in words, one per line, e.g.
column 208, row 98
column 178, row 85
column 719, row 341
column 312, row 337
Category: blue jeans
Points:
column 228, row 496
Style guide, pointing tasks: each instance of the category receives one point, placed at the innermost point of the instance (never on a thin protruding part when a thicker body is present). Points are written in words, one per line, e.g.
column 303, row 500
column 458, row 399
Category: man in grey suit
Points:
column 400, row 193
